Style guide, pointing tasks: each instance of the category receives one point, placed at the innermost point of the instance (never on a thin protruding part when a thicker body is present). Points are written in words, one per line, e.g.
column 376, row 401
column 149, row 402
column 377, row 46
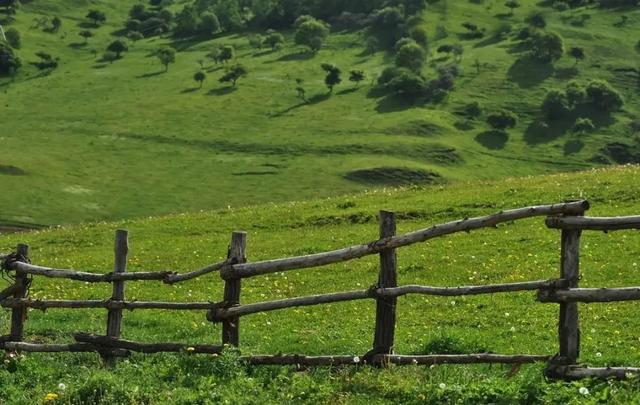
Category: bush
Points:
column 411, row 56
column 576, row 94
column 13, row 38
column 502, row 119
column 583, row 125
column 536, row 20
column 603, row 96
column 556, row 105
column 419, row 35
column 546, row 46
column 408, row 84
column 312, row 34
column 9, row 61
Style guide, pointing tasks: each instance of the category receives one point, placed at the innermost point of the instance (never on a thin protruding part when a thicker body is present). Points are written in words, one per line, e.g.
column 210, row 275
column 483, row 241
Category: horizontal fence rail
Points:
column 568, row 217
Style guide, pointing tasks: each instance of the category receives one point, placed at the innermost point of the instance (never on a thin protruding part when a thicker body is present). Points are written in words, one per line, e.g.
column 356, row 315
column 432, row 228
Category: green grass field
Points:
column 508, row 323
column 97, row 141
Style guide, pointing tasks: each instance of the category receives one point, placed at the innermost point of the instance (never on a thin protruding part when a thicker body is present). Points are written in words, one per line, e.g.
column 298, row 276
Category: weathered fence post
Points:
column 114, row 317
column 19, row 314
column 237, row 254
column 386, row 306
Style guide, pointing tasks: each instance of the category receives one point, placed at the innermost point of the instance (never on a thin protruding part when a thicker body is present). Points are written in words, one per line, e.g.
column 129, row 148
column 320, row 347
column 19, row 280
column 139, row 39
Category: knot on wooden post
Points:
column 216, row 314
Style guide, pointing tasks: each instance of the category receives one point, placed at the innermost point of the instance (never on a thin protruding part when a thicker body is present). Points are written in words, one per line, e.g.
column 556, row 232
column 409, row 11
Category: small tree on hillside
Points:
column 274, row 40
column 97, row 16
column 109, row 56
column 9, row 61
column 577, row 53
column 227, row 53
column 56, row 23
column 312, row 33
column 411, row 56
column 135, row 36
column 255, row 41
column 118, row 46
column 512, row 5
column 200, row 77
column 233, row 74
column 546, row 46
column 356, row 76
column 333, row 77
column 502, row 119
column 166, row 55
column 300, row 90
column 86, row 34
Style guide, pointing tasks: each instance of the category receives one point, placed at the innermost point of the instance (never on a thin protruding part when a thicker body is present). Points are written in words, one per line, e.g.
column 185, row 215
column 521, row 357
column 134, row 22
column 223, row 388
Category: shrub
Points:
column 333, row 77
column 13, row 38
column 97, row 16
column 274, row 40
column 546, row 46
column 556, row 105
column 536, row 20
column 502, row 119
column 312, row 34
column 576, row 94
column 9, row 61
column 411, row 56
column 209, row 24
column 583, row 125
column 233, row 74
column 408, row 84
column 603, row 96
column 419, row 34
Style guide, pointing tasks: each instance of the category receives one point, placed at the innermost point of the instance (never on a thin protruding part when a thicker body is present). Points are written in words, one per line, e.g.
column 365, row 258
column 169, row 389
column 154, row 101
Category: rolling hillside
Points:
column 502, row 323
column 93, row 140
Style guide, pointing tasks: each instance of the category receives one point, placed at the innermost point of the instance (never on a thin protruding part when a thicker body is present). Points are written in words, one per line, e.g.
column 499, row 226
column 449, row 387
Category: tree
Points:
column 135, row 36
column 603, row 96
column 333, row 77
column 227, row 53
column 209, row 24
column 274, row 40
column 300, row 90
column 577, row 53
column 166, row 55
column 546, row 46
column 9, row 61
column 14, row 39
column 255, row 41
column 312, row 34
column 86, row 34
column 214, row 54
column 118, row 47
column 502, row 119
column 407, row 84
column 56, row 23
column 356, row 76
column 556, row 105
column 109, row 56
column 536, row 20
column 411, row 56
column 233, row 74
column 419, row 34
column 512, row 5
column 97, row 16
column 200, row 77
column 583, row 125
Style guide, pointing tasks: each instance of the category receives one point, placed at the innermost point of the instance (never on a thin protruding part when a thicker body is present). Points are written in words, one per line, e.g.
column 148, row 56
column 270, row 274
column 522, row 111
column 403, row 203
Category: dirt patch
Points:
column 394, row 176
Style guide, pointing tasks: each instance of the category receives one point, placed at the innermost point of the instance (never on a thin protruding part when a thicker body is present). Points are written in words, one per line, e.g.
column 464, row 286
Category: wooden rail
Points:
column 565, row 291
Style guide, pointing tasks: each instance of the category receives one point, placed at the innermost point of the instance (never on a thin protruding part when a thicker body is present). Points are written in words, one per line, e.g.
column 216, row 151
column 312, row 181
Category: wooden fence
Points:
column 568, row 217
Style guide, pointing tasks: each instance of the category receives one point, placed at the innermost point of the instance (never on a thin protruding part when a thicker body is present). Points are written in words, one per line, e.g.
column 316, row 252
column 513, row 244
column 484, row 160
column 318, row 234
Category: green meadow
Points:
column 501, row 323
column 94, row 140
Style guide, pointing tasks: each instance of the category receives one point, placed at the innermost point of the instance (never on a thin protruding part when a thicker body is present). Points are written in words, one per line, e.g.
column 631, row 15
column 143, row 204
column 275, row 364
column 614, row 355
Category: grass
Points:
column 95, row 141
column 507, row 323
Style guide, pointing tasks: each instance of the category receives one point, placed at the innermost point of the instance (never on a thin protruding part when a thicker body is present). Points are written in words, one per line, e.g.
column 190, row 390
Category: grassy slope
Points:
column 512, row 323
column 125, row 140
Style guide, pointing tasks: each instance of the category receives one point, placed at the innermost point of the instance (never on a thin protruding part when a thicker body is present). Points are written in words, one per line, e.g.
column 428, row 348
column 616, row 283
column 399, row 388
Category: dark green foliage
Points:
column 333, row 77
column 536, row 20
column 233, row 74
column 154, row 26
column 274, row 40
column 312, row 33
column 502, row 119
column 166, row 55
column 135, row 36
column 583, row 125
column 577, row 53
column 56, row 23
column 86, row 34
column 419, row 34
column 229, row 13
column 408, row 84
column 227, row 53
column 556, row 105
column 387, row 26
column 118, row 46
column 200, row 77
column 209, row 24
column 133, row 25
column 14, row 39
column 46, row 61
column 546, row 46
column 618, row 3
column 411, row 56
column 109, row 56
column 473, row 31
column 472, row 110
column 603, row 96
column 512, row 5
column 97, row 16
column 356, row 76
column 255, row 41
column 9, row 61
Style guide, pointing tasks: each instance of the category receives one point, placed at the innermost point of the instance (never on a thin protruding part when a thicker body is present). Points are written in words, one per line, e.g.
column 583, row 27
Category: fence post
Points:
column 237, row 254
column 19, row 314
column 386, row 306
column 114, row 316
column 569, row 325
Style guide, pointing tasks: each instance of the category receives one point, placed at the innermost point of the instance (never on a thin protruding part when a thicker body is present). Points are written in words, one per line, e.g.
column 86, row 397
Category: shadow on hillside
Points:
column 152, row 74
column 222, row 91
column 77, row 45
column 214, row 69
column 190, row 90
column 503, row 16
column 100, row 65
column 527, row 72
column 540, row 131
column 318, row 98
column 393, row 103
column 87, row 25
column 119, row 33
column 348, row 91
column 264, row 53
column 292, row 57
column 492, row 40
column 566, row 73
column 573, row 146
column 493, row 139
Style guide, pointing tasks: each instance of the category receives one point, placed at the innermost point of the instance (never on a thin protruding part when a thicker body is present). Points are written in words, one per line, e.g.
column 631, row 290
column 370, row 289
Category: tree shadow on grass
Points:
column 87, row 25
column 100, row 65
column 264, row 53
column 393, row 103
column 222, row 91
column 214, row 69
column 190, row 90
column 567, row 73
column 152, row 74
column 77, row 45
column 527, row 72
column 573, row 146
column 494, row 139
column 318, row 98
column 293, row 57
column 347, row 91
column 541, row 131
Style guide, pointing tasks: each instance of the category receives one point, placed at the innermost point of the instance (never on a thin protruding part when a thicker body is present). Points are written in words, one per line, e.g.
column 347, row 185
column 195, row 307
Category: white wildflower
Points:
column 62, row 387
column 584, row 391
column 442, row 386
column 598, row 354
column 356, row 359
